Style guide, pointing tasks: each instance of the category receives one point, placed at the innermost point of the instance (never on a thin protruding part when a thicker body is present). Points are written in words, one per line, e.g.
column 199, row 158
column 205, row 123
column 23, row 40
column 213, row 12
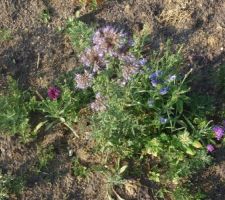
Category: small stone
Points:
column 70, row 153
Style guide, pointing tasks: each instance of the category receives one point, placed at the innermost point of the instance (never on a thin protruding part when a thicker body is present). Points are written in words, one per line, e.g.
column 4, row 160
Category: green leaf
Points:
column 197, row 144
column 39, row 126
column 190, row 151
column 122, row 169
column 180, row 106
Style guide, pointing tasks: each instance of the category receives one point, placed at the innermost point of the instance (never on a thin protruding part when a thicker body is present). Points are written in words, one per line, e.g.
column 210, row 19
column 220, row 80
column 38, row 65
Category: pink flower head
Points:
column 219, row 132
column 94, row 57
column 210, row 148
column 108, row 39
column 84, row 80
column 53, row 93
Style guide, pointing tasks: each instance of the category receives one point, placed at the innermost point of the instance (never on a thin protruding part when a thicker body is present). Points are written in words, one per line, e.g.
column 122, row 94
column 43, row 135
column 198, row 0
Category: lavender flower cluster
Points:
column 84, row 80
column 131, row 66
column 107, row 41
column 218, row 131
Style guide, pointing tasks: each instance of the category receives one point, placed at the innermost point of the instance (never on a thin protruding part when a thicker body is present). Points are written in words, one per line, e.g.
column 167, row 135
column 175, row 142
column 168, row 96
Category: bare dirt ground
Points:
column 37, row 52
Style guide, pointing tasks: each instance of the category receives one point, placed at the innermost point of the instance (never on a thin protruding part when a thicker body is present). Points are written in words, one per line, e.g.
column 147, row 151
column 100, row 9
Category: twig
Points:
column 117, row 195
column 39, row 95
column 38, row 60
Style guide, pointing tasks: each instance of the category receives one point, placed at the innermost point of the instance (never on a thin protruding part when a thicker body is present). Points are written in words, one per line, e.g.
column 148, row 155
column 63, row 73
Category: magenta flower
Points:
column 210, row 148
column 219, row 132
column 53, row 93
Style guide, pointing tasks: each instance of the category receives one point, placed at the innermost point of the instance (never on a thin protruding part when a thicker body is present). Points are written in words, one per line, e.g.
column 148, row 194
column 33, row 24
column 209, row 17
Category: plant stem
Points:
column 69, row 127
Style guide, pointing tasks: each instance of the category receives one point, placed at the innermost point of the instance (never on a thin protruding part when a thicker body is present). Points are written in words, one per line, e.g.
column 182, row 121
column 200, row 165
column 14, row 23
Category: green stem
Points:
column 62, row 120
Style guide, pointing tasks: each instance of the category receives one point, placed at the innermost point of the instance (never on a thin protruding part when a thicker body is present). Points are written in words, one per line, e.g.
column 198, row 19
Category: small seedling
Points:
column 44, row 157
column 5, row 35
column 10, row 185
column 79, row 170
column 46, row 16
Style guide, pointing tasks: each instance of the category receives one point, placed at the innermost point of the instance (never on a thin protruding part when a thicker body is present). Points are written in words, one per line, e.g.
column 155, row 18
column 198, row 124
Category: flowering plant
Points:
column 141, row 105
column 62, row 105
column 140, row 108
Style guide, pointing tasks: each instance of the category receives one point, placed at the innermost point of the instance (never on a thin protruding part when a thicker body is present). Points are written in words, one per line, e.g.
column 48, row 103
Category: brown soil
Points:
column 38, row 52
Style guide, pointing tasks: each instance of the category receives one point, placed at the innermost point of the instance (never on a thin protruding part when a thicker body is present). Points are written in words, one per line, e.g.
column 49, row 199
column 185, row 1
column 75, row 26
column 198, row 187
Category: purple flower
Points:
column 129, row 59
column 109, row 38
column 155, row 78
column 154, row 82
column 53, row 93
column 131, row 66
column 219, row 132
column 171, row 78
column 129, row 71
column 164, row 91
column 142, row 61
column 83, row 81
column 99, row 104
column 163, row 120
column 210, row 148
column 94, row 57
column 156, row 74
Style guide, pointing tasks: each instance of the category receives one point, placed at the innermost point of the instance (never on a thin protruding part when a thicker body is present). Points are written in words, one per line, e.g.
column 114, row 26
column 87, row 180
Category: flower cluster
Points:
column 210, row 148
column 93, row 57
column 53, row 93
column 164, row 90
column 131, row 66
column 163, row 120
column 109, row 39
column 218, row 133
column 83, row 81
column 156, row 80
